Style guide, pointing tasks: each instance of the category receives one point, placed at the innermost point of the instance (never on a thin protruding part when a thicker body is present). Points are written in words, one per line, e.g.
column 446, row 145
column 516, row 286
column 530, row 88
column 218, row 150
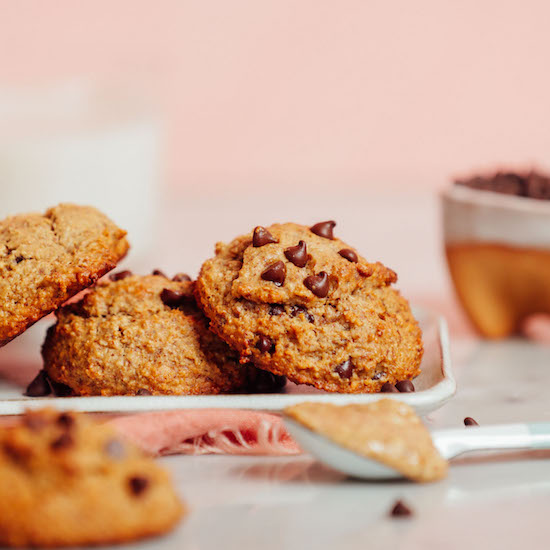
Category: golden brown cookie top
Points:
column 135, row 295
column 291, row 263
column 50, row 445
column 143, row 335
column 46, row 259
column 300, row 303
column 57, row 468
column 387, row 431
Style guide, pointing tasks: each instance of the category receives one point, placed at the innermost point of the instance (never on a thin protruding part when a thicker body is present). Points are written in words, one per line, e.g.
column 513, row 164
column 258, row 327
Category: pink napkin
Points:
column 207, row 431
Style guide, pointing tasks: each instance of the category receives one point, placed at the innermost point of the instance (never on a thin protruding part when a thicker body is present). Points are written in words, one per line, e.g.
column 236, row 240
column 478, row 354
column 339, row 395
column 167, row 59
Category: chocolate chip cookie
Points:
column 46, row 259
column 66, row 481
column 299, row 302
column 387, row 431
column 143, row 335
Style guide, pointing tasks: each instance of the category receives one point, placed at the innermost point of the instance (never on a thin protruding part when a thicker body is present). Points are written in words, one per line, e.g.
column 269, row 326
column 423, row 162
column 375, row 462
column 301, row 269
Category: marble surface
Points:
column 490, row 501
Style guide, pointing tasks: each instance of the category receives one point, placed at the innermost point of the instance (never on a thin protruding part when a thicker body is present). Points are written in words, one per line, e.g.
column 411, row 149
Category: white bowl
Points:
column 498, row 252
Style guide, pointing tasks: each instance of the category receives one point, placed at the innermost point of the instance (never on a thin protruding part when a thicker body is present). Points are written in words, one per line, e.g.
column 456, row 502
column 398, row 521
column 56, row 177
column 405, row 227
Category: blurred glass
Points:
column 80, row 142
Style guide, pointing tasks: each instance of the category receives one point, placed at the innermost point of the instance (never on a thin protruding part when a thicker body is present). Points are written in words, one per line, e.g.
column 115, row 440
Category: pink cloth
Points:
column 207, row 431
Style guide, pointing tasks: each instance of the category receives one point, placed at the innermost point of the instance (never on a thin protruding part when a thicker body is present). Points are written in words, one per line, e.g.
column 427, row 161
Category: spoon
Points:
column 450, row 443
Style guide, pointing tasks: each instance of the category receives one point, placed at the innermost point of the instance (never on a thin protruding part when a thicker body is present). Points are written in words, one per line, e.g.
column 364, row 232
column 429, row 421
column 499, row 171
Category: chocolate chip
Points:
column 349, row 254
column 318, row 284
column 40, row 386
column 388, row 387
column 60, row 390
column 15, row 452
column 469, row 421
column 159, row 273
column 345, row 369
column 262, row 237
column 181, row 277
column 143, row 391
column 263, row 381
column 376, row 376
column 405, row 386
column 265, row 344
column 115, row 449
column 138, row 484
column 120, row 275
column 296, row 310
column 400, row 510
column 275, row 273
column 276, row 309
column 172, row 298
column 19, row 259
column 323, row 229
column 66, row 420
column 538, row 186
column 64, row 441
column 297, row 254
column 34, row 421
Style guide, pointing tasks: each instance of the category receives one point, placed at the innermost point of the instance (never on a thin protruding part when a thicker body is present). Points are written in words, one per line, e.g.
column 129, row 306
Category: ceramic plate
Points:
column 434, row 387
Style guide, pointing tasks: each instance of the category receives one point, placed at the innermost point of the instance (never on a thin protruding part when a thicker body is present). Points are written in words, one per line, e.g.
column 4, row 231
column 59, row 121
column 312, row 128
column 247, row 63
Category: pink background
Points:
column 286, row 92
column 307, row 110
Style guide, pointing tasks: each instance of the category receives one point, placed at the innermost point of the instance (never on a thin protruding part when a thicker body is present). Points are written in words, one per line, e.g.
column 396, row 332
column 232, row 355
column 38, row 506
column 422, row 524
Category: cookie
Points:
column 46, row 259
column 142, row 335
column 298, row 302
column 67, row 481
column 387, row 431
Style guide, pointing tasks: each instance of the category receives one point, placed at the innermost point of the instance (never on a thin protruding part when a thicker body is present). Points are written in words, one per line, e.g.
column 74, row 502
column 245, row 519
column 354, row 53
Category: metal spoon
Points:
column 450, row 443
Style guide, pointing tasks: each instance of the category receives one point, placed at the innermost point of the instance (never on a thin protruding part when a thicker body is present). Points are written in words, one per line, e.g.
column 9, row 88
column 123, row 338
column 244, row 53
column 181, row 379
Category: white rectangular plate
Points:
column 434, row 387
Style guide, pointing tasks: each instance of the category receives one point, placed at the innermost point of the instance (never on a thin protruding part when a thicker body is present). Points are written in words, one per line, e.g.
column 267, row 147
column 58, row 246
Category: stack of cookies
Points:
column 282, row 301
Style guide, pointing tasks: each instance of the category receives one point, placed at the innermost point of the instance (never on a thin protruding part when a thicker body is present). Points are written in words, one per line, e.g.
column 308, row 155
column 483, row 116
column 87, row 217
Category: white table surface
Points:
column 502, row 501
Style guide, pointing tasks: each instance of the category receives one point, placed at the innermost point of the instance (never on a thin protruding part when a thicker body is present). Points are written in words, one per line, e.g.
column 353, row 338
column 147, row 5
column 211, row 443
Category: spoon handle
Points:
column 455, row 442
column 540, row 433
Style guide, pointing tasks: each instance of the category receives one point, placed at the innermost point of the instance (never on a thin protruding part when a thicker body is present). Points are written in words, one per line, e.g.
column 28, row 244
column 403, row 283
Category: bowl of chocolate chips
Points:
column 496, row 229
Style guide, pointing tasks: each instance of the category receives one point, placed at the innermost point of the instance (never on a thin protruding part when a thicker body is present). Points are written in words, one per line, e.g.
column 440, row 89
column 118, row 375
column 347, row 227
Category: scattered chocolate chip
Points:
column 159, row 273
column 296, row 310
column 64, row 441
column 275, row 273
column 469, row 421
column 265, row 344
column 349, row 254
column 324, row 229
column 34, row 421
column 40, row 386
column 345, row 369
column 262, row 237
column 276, row 309
column 60, row 390
column 405, row 386
column 318, row 284
column 66, row 420
column 172, row 298
column 19, row 259
column 297, row 254
column 120, row 275
column 388, row 387
column 376, row 376
column 143, row 391
column 266, row 382
column 181, row 277
column 138, row 484
column 115, row 449
column 400, row 510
